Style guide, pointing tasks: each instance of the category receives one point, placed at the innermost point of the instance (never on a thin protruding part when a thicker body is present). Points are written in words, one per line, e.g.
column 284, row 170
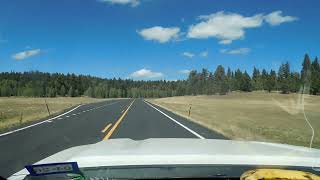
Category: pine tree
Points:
column 113, row 93
column 52, row 92
column 267, row 85
column 315, row 77
column 71, row 92
column 306, row 73
column 271, row 81
column 284, row 78
column 256, row 79
column 245, row 83
column 294, row 82
column 229, row 79
column 76, row 93
column 62, row 91
column 220, row 81
column 264, row 77
column 119, row 93
column 89, row 92
column 202, row 82
column 5, row 89
column 237, row 79
column 192, row 83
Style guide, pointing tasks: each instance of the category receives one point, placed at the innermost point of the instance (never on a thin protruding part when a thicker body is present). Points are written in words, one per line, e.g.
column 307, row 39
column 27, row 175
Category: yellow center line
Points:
column 106, row 128
column 117, row 123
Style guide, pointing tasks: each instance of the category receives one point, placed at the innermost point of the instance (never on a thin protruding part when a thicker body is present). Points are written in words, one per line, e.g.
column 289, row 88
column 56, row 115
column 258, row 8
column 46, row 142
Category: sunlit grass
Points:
column 260, row 116
column 11, row 108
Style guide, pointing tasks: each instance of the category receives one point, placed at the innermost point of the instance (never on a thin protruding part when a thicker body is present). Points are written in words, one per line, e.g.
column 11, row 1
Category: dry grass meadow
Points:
column 32, row 109
column 261, row 116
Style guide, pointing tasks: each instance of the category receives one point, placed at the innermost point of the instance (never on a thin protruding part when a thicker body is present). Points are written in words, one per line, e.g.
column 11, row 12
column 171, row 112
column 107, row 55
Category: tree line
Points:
column 39, row 84
column 221, row 81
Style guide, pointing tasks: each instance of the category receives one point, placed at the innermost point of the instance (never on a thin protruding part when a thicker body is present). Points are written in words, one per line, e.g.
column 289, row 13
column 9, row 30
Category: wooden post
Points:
column 189, row 110
column 47, row 107
column 21, row 114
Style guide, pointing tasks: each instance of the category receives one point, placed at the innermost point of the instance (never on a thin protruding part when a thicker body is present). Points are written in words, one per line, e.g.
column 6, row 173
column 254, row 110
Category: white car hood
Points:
column 119, row 152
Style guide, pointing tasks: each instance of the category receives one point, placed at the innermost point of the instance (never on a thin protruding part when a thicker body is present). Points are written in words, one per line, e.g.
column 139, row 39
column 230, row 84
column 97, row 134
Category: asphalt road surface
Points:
column 91, row 123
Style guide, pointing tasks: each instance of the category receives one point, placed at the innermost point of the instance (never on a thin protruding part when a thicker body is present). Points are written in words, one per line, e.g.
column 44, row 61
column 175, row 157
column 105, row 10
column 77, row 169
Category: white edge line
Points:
column 196, row 134
column 48, row 120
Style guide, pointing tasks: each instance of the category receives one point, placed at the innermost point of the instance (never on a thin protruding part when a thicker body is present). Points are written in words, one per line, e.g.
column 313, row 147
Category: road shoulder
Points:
column 200, row 129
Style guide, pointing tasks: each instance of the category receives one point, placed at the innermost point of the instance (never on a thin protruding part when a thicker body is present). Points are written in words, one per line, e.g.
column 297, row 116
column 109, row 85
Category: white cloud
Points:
column 26, row 54
column 132, row 3
column 275, row 18
column 160, row 34
column 225, row 42
column 185, row 71
column 241, row 51
column 191, row 55
column 188, row 54
column 224, row 26
column 146, row 73
column 227, row 27
column 204, row 54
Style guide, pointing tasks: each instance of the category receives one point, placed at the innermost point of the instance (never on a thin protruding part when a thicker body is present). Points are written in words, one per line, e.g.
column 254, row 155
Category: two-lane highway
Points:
column 91, row 123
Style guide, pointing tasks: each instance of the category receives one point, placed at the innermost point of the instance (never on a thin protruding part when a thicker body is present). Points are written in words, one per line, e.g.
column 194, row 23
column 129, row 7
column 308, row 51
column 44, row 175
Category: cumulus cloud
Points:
column 145, row 73
column 204, row 54
column 276, row 18
column 160, row 34
column 132, row 3
column 241, row 51
column 224, row 26
column 184, row 71
column 227, row 27
column 187, row 54
column 26, row 54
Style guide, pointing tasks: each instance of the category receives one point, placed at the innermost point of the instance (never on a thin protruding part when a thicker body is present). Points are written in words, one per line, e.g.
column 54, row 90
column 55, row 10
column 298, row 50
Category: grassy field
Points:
column 260, row 116
column 32, row 109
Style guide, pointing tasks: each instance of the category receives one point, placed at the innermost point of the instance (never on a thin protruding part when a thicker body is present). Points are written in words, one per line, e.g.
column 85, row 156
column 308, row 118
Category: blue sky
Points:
column 155, row 39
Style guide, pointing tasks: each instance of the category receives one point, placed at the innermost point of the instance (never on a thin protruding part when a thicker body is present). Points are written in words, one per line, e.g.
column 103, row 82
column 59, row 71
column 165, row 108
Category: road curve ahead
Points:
column 91, row 123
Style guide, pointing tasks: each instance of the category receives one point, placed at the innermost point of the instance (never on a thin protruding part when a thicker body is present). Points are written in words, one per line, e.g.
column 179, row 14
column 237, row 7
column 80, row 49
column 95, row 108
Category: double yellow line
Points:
column 106, row 128
column 116, row 124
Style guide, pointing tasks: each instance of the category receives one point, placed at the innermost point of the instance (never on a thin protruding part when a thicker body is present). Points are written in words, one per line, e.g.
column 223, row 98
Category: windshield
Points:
column 76, row 72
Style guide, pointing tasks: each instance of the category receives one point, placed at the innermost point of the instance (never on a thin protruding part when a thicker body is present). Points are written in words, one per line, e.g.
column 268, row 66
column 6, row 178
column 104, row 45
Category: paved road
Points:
column 91, row 123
